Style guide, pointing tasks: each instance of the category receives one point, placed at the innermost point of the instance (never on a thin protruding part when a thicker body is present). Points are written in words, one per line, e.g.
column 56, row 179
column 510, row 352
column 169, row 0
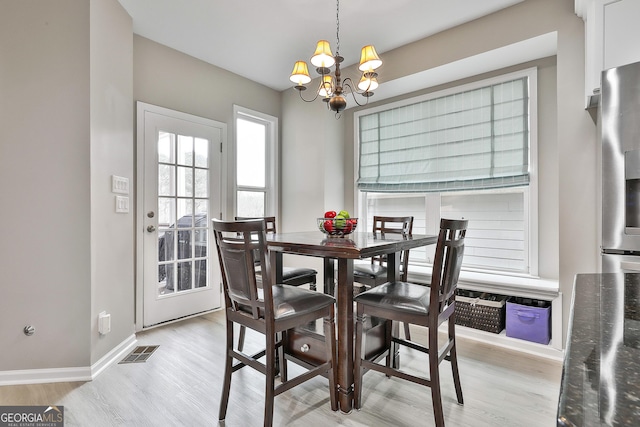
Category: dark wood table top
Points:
column 357, row 245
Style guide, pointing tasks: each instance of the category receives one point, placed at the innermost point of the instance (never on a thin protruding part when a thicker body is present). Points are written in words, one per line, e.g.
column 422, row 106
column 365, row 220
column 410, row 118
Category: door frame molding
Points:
column 141, row 109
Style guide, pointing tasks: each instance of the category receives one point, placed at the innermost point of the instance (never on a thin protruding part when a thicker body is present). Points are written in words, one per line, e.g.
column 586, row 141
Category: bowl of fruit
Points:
column 337, row 224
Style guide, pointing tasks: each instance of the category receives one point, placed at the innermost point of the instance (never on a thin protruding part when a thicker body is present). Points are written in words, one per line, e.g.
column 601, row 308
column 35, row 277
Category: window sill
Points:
column 505, row 284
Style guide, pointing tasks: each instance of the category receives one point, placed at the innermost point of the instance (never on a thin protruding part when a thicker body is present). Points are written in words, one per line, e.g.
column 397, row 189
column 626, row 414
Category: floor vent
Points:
column 140, row 354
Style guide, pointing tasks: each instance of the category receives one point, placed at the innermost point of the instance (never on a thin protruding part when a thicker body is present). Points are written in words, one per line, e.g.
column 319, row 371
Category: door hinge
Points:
column 221, row 147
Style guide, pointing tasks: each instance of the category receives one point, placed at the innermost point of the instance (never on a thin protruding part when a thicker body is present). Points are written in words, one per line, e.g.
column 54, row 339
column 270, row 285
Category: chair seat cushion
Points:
column 403, row 297
column 290, row 273
column 292, row 301
column 369, row 270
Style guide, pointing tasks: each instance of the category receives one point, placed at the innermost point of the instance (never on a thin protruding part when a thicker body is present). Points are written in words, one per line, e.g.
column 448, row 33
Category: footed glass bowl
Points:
column 337, row 227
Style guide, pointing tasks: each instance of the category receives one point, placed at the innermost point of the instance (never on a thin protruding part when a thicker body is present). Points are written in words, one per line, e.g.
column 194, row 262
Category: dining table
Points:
column 343, row 251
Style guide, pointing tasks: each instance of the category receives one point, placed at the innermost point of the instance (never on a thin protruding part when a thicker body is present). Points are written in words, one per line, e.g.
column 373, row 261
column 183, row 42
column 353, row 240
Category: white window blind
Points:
column 468, row 140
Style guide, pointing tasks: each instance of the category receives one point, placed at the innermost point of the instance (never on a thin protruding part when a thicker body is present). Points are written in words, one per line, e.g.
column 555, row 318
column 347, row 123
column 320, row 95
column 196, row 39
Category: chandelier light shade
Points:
column 332, row 89
column 368, row 82
column 326, row 87
column 300, row 74
column 323, row 58
column 369, row 59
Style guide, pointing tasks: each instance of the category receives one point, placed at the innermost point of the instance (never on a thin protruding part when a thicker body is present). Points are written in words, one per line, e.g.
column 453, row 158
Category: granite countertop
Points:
column 601, row 372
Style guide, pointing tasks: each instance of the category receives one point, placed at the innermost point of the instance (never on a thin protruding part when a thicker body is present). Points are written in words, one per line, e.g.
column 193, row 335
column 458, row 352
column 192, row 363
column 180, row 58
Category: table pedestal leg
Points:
column 345, row 334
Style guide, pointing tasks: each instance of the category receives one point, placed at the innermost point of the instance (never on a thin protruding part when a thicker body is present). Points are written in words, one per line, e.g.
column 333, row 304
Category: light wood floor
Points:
column 179, row 385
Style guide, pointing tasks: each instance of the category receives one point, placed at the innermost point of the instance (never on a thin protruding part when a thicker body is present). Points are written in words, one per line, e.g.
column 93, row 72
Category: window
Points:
column 255, row 163
column 467, row 152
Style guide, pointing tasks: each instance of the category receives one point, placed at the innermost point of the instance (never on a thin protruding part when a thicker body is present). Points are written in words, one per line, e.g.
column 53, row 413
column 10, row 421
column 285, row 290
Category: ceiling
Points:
column 261, row 39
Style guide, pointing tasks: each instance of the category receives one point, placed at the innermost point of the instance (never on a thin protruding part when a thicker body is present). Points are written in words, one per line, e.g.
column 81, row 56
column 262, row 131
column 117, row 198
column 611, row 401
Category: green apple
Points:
column 340, row 220
column 344, row 214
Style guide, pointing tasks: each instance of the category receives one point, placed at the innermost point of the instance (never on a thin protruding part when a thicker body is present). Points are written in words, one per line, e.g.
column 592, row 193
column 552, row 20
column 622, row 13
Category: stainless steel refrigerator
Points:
column 619, row 126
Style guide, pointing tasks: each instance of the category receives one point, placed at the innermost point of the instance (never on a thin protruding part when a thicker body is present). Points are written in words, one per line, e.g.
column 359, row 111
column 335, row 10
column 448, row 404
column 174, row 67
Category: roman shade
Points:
column 476, row 139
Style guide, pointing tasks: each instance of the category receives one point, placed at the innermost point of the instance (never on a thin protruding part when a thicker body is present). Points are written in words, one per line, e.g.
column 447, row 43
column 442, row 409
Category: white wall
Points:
column 567, row 205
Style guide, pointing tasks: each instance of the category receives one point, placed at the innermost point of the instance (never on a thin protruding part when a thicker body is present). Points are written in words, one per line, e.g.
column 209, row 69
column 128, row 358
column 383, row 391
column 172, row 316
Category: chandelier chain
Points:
column 337, row 27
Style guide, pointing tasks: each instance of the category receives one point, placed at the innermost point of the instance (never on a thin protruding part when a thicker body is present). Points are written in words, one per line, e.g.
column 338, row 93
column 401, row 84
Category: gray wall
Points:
column 66, row 127
column 112, row 153
column 167, row 78
column 567, row 138
column 66, row 255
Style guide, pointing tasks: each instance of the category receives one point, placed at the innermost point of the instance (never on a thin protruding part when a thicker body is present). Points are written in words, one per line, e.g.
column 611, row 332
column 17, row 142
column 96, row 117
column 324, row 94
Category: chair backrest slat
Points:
column 447, row 263
column 270, row 222
column 394, row 225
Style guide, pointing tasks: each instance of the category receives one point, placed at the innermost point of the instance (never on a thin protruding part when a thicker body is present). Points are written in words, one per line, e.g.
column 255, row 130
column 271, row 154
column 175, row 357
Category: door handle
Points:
column 630, row 265
column 151, row 229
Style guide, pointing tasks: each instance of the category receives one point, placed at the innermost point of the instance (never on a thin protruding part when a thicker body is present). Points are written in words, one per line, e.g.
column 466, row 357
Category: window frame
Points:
column 271, row 158
column 531, row 196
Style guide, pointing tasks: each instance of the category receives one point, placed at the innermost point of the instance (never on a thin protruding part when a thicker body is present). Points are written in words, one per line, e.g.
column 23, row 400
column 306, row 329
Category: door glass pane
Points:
column 165, row 247
column 202, row 209
column 201, row 151
column 166, row 179
column 184, row 243
column 185, row 181
column 166, row 212
column 184, row 275
column 200, row 273
column 251, row 203
column 185, row 150
column 166, row 147
column 185, row 212
column 201, row 181
column 251, row 154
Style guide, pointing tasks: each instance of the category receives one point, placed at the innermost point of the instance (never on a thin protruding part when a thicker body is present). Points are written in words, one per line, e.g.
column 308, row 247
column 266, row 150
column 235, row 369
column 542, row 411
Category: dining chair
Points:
column 294, row 276
column 375, row 273
column 420, row 305
column 272, row 310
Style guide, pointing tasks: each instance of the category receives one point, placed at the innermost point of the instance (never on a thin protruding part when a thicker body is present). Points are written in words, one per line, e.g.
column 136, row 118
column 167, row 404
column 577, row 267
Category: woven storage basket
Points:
column 480, row 310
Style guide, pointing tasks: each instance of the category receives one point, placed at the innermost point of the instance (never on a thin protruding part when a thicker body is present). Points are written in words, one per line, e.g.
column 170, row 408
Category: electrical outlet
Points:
column 104, row 323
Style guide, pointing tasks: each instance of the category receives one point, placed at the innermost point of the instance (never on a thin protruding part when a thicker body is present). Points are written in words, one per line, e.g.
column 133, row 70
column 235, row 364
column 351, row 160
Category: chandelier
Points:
column 332, row 89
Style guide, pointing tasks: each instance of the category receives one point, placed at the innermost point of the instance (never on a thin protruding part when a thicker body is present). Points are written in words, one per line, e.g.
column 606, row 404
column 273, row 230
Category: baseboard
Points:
column 113, row 356
column 54, row 375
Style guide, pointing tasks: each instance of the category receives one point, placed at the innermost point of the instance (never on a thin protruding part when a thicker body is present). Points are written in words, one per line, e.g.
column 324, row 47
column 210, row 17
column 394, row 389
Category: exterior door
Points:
column 179, row 171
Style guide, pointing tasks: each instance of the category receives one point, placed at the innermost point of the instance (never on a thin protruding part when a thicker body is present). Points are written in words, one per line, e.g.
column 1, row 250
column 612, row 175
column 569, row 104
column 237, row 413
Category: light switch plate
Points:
column 119, row 184
column 122, row 204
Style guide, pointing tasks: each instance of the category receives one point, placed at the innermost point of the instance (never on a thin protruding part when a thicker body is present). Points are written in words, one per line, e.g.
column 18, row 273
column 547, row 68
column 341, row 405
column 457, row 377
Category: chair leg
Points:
column 281, row 361
column 241, row 337
column 395, row 347
column 357, row 366
column 407, row 333
column 226, row 383
column 454, row 362
column 434, row 374
column 269, row 394
column 330, row 340
column 312, row 285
